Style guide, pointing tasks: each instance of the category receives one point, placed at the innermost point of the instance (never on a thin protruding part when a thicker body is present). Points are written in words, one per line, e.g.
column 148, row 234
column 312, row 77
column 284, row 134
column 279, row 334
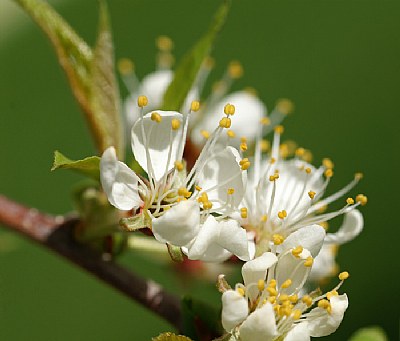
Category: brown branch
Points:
column 56, row 233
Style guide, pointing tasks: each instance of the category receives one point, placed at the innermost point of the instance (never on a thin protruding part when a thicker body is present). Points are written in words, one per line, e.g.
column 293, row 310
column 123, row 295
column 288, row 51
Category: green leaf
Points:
column 88, row 166
column 171, row 337
column 373, row 333
column 200, row 317
column 189, row 66
column 137, row 222
column 104, row 94
column 90, row 73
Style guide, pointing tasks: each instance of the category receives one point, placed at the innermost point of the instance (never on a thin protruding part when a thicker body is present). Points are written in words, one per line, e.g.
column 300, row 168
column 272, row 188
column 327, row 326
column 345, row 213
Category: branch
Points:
column 56, row 233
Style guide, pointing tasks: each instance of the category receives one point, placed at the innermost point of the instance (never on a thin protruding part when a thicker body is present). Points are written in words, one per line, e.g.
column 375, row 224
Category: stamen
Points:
column 229, row 109
column 286, row 284
column 195, row 106
column 362, row 199
column 343, row 275
column 175, row 124
column 205, row 134
column 350, row 201
column 297, row 251
column 309, row 261
column 277, row 239
column 230, row 133
column 261, row 284
column 179, row 166
column 225, row 122
column 243, row 212
column 235, row 69
column 156, row 117
column 285, row 106
column 142, row 101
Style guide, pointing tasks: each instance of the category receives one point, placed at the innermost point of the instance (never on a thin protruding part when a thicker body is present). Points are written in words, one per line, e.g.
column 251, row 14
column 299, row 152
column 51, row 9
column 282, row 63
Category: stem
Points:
column 56, row 233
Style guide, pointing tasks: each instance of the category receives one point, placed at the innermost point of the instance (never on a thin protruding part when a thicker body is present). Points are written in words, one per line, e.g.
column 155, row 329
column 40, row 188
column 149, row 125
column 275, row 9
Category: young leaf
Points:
column 104, row 93
column 90, row 74
column 373, row 333
column 170, row 337
column 189, row 66
column 88, row 166
column 175, row 252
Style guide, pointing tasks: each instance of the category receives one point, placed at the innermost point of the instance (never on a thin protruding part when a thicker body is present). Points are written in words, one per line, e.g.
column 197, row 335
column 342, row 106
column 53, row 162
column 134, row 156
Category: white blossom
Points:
column 271, row 304
column 191, row 210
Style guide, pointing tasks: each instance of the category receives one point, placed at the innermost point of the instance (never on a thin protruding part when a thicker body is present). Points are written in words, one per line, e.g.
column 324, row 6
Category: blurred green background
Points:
column 339, row 62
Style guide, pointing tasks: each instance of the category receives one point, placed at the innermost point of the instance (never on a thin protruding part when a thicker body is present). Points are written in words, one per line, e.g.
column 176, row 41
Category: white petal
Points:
column 309, row 237
column 298, row 333
column 352, row 226
column 321, row 323
column 245, row 122
column 222, row 170
column 324, row 264
column 217, row 241
column 234, row 309
column 157, row 136
column 260, row 325
column 154, row 86
column 179, row 225
column 256, row 269
column 291, row 267
column 119, row 182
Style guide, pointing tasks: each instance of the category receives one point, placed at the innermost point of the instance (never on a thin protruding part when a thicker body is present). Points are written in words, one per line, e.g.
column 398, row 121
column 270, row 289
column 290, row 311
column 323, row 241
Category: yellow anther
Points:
column 362, row 199
column 284, row 150
column 179, row 166
column 307, row 300
column 181, row 199
column 277, row 307
column 230, row 133
column 308, row 170
column 240, row 291
column 350, row 201
column 358, row 176
column 272, row 299
column 207, row 205
column 156, row 117
column 309, row 261
column 327, row 163
column 272, row 160
column 343, row 275
column 231, row 191
column 296, row 314
column 264, row 145
column 265, row 121
column 272, row 283
column 279, row 129
column 332, row 293
column 243, row 139
column 299, row 152
column 311, row 194
column 307, row 157
column 322, row 209
column 286, row 284
column 261, row 284
column 324, row 224
column 245, row 165
column 285, row 106
column 209, row 62
column 324, row 304
column 203, row 197
column 297, row 251
column 198, row 188
column 205, row 134
column 274, row 177
column 235, row 69
column 243, row 146
column 243, row 212
column 125, row 66
column 142, row 101
column 243, row 161
column 282, row 214
column 195, row 106
column 277, row 239
column 272, row 291
column 283, row 297
column 264, row 218
column 183, row 192
column 175, row 124
column 285, row 311
column 293, row 298
column 164, row 43
column 329, row 173
column 225, row 122
column 229, row 109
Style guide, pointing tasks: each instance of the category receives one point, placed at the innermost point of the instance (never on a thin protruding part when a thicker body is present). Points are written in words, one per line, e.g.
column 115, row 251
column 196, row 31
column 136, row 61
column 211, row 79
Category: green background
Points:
column 337, row 60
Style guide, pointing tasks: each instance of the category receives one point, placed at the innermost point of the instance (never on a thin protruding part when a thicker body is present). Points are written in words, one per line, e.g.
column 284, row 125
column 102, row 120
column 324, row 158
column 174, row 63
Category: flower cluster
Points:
column 243, row 196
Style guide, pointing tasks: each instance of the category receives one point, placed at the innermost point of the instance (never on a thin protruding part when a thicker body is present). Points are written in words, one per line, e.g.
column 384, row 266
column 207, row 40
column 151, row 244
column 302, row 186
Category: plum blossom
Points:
column 286, row 195
column 189, row 210
column 271, row 305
